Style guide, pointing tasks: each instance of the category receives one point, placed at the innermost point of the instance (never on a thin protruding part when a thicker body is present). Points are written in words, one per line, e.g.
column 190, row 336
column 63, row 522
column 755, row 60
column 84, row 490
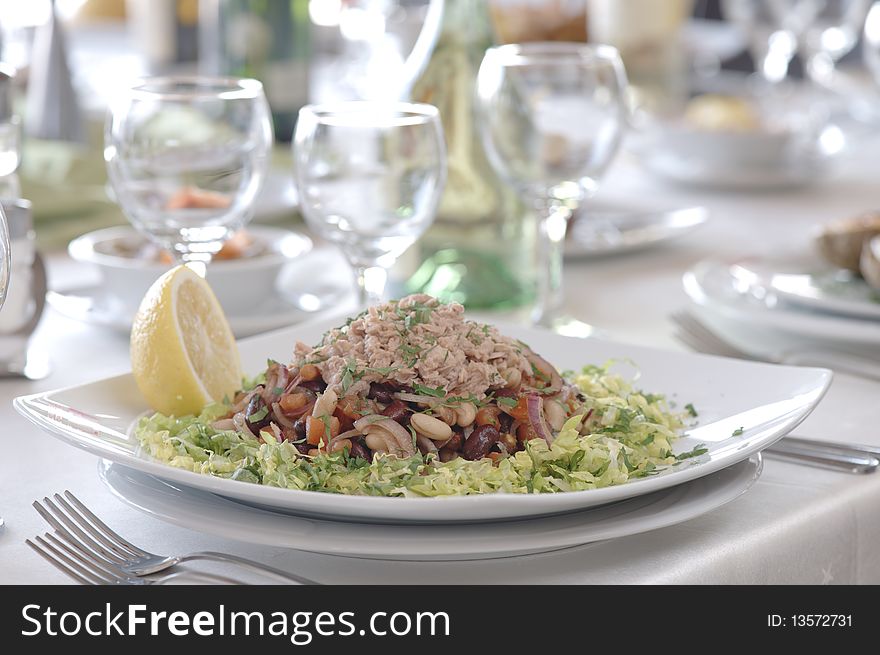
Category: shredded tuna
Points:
column 416, row 341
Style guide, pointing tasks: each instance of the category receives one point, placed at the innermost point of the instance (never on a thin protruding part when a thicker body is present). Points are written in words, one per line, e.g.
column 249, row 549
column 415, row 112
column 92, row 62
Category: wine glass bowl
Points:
column 370, row 177
column 186, row 157
column 553, row 117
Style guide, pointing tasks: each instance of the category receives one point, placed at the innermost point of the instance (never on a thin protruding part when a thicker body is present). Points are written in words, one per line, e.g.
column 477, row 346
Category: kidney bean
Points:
column 303, row 447
column 509, row 442
column 359, row 450
column 255, row 406
column 454, row 442
column 299, row 427
column 480, row 442
column 381, row 392
column 397, row 411
column 318, row 385
column 447, row 455
column 504, row 393
column 504, row 422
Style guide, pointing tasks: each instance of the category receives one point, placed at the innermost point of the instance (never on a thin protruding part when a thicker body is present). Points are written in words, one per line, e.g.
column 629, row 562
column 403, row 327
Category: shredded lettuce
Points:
column 622, row 434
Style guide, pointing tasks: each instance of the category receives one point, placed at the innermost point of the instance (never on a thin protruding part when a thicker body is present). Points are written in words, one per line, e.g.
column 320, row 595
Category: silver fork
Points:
column 78, row 525
column 849, row 458
column 697, row 336
column 86, row 569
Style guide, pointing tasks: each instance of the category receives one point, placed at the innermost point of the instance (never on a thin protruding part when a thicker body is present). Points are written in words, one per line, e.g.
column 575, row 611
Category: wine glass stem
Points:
column 370, row 284
column 197, row 262
column 552, row 228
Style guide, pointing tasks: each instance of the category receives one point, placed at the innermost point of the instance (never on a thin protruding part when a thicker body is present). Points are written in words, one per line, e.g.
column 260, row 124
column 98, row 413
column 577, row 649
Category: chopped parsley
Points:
column 737, row 432
column 690, row 410
column 696, row 452
column 435, row 392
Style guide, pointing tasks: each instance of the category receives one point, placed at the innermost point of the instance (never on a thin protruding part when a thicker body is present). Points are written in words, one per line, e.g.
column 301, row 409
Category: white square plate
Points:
column 743, row 407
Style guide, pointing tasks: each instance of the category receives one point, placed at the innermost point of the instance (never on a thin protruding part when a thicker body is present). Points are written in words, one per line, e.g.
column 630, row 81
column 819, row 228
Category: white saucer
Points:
column 610, row 231
column 206, row 512
column 809, row 283
column 299, row 298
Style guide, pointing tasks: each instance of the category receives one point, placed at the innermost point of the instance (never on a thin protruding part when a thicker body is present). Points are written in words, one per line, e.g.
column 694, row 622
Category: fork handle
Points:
column 199, row 577
column 838, row 361
column 247, row 564
column 847, row 461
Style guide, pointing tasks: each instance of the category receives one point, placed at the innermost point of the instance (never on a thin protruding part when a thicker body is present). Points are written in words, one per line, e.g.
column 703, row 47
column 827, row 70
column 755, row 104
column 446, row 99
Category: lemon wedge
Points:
column 183, row 353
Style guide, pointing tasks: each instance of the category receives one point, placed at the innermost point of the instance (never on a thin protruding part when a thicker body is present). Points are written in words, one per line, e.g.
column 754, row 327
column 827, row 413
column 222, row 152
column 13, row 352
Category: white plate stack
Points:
column 771, row 306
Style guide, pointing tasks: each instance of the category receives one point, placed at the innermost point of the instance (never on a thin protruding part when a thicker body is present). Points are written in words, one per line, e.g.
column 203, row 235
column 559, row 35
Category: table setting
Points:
column 537, row 308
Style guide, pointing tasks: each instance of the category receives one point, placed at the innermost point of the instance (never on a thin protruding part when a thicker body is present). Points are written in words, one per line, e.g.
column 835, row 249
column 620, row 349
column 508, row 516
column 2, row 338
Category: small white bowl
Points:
column 795, row 144
column 240, row 284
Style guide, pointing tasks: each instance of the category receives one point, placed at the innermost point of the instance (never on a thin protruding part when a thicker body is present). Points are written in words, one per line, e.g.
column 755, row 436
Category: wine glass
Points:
column 871, row 44
column 370, row 176
column 830, row 29
column 771, row 28
column 186, row 156
column 553, row 116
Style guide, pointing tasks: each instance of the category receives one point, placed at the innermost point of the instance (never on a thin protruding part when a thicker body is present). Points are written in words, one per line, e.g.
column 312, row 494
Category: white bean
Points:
column 376, row 441
column 513, row 377
column 431, row 427
column 326, row 404
column 465, row 414
column 445, row 414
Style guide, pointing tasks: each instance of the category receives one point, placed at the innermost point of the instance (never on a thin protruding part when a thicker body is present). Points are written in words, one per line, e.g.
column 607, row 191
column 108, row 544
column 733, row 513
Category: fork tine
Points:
column 98, row 534
column 100, row 525
column 64, row 563
column 64, row 524
column 83, row 566
column 57, row 564
column 90, row 552
column 704, row 339
column 696, row 344
column 108, row 571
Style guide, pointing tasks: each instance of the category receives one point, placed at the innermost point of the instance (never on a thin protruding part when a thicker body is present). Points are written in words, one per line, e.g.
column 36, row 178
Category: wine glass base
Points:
column 569, row 326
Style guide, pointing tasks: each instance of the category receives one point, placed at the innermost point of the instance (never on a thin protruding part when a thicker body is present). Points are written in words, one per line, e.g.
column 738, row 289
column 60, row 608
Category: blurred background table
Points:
column 797, row 525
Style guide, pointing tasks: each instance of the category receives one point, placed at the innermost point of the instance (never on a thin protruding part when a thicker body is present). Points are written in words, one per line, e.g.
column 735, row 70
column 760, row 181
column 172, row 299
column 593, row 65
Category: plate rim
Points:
column 462, row 549
column 570, row 252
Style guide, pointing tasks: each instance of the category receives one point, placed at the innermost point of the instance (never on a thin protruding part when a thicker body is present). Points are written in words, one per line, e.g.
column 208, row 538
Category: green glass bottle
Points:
column 480, row 249
column 264, row 39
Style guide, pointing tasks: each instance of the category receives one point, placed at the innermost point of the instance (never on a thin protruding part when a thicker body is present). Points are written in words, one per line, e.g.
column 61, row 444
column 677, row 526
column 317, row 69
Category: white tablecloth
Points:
column 796, row 525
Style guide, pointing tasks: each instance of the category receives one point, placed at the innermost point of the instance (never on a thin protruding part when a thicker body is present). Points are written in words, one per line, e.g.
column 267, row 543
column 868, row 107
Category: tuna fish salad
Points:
column 410, row 398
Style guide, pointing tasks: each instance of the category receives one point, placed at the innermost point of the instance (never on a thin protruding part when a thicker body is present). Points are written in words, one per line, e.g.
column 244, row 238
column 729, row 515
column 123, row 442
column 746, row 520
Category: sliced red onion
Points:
column 345, row 435
column 365, row 421
column 402, row 437
column 241, row 424
column 279, row 416
column 276, row 432
column 548, row 370
column 223, row 424
column 535, row 407
column 245, row 401
column 425, row 445
column 292, row 384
